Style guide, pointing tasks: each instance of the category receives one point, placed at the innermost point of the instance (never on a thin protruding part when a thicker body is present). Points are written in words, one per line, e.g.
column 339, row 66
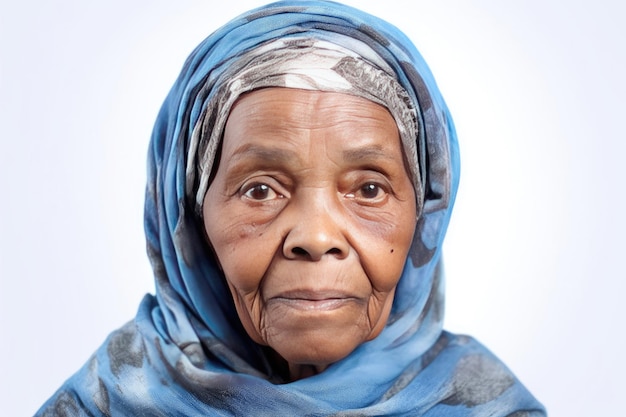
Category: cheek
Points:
column 242, row 254
column 383, row 256
column 236, row 241
column 385, row 247
column 379, row 313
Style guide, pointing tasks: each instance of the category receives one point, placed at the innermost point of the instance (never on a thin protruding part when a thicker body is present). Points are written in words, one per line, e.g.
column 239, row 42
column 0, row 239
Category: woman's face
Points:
column 311, row 214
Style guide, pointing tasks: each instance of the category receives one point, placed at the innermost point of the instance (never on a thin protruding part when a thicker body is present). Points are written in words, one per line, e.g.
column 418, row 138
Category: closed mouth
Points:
column 313, row 300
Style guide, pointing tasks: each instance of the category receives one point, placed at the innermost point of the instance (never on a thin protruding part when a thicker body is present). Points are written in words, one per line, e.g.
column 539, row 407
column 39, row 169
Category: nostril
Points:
column 299, row 251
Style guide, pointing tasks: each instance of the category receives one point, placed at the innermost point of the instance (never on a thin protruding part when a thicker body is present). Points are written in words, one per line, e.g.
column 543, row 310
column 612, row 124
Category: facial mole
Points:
column 391, row 251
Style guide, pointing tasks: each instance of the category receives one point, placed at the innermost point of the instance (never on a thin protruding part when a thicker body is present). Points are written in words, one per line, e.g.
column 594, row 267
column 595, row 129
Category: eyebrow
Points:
column 279, row 156
column 366, row 153
column 264, row 153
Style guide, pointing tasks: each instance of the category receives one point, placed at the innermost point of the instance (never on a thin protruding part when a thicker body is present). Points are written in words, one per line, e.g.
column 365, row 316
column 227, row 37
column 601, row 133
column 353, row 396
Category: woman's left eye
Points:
column 369, row 193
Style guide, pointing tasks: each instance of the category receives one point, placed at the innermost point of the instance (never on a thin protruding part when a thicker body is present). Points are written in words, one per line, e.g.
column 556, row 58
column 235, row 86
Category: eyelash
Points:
column 263, row 187
column 380, row 196
column 359, row 194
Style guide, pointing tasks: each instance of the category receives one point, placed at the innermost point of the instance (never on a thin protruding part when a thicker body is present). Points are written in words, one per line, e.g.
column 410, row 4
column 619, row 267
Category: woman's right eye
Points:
column 261, row 192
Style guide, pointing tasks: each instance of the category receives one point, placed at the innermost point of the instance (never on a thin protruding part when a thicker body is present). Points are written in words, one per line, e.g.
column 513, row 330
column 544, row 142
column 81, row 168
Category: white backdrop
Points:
column 534, row 252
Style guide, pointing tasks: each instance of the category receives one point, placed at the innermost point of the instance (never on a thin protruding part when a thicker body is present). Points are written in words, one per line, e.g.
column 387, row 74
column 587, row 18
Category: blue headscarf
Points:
column 186, row 352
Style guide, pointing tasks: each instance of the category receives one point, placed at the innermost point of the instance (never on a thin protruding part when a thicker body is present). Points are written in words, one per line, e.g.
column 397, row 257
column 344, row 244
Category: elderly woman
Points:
column 301, row 177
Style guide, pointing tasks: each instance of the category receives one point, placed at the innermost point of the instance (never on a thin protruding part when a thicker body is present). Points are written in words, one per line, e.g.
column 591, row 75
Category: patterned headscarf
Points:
column 186, row 352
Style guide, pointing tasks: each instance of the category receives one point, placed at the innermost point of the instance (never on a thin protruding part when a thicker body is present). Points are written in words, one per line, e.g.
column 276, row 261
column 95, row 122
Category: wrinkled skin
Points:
column 311, row 215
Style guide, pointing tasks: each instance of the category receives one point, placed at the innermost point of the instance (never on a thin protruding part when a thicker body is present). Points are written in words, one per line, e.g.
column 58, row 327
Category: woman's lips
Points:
column 313, row 300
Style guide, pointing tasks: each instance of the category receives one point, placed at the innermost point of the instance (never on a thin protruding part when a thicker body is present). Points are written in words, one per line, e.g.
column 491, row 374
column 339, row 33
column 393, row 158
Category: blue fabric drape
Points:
column 186, row 353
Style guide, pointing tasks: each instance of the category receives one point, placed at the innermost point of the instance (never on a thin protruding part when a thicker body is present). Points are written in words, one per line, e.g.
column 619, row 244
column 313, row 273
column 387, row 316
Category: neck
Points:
column 292, row 371
column 299, row 371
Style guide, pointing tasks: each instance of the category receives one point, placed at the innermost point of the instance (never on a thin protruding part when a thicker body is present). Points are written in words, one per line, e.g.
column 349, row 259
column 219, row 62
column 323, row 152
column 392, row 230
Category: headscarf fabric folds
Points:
column 186, row 353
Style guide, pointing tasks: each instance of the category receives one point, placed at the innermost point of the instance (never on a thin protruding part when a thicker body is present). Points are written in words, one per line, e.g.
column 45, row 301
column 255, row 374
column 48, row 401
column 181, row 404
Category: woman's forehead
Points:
column 282, row 118
column 316, row 101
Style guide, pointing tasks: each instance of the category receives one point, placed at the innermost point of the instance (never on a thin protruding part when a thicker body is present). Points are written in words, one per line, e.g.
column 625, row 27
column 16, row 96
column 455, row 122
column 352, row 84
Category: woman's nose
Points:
column 316, row 230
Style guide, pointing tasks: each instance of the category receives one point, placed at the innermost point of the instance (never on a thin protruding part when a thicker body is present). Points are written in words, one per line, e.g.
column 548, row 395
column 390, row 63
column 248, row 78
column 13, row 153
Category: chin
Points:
column 319, row 338
column 319, row 347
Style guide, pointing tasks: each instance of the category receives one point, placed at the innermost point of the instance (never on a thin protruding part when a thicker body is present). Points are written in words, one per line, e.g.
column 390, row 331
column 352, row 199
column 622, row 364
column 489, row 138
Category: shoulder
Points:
column 103, row 381
column 477, row 379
